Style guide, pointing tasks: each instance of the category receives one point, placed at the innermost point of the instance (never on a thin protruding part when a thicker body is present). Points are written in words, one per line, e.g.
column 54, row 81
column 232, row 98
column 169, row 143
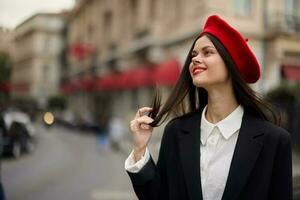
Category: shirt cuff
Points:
column 133, row 167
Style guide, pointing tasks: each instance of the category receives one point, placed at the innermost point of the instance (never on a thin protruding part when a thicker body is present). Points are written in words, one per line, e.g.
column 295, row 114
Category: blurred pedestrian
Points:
column 244, row 154
column 102, row 134
column 2, row 133
column 116, row 132
column 2, row 194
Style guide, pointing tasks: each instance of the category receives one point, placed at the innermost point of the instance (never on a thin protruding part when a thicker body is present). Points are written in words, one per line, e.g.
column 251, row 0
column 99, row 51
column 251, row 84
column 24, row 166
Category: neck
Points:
column 221, row 102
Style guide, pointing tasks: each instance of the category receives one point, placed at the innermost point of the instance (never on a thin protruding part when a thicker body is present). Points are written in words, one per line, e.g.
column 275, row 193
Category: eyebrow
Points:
column 203, row 48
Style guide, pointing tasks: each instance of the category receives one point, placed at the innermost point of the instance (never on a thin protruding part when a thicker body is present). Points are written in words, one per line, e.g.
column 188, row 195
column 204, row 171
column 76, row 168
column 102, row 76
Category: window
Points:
column 134, row 5
column 134, row 100
column 152, row 13
column 242, row 7
column 291, row 13
column 291, row 6
column 46, row 44
column 107, row 25
column 134, row 13
column 177, row 11
column 90, row 31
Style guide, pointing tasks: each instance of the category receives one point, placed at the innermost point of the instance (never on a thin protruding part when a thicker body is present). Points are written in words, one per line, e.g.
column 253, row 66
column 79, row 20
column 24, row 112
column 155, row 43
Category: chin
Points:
column 208, row 84
column 199, row 83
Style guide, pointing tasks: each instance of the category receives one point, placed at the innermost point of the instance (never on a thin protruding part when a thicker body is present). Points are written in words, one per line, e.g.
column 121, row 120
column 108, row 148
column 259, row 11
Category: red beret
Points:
column 236, row 45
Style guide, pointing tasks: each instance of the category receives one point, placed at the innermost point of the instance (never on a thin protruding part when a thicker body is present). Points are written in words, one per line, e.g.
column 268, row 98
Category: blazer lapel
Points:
column 189, row 151
column 249, row 143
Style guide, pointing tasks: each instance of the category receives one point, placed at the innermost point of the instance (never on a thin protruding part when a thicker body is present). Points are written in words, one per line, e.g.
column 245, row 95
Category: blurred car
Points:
column 66, row 118
column 19, row 135
column 85, row 123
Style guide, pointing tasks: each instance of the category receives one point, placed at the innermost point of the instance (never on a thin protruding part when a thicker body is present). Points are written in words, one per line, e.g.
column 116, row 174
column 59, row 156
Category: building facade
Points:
column 6, row 40
column 39, row 43
column 281, row 43
column 117, row 36
column 6, row 53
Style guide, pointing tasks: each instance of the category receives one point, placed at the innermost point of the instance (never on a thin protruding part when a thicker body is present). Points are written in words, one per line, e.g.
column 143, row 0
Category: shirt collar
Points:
column 227, row 127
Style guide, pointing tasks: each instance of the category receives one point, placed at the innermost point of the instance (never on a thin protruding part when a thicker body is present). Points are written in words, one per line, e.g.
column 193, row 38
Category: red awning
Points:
column 131, row 79
column 141, row 77
column 78, row 84
column 165, row 73
column 291, row 72
column 21, row 87
column 67, row 88
column 82, row 50
column 5, row 87
column 83, row 84
column 108, row 82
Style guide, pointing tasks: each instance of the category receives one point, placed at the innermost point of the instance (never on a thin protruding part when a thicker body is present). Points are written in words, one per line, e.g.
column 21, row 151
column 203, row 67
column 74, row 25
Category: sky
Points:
column 13, row 12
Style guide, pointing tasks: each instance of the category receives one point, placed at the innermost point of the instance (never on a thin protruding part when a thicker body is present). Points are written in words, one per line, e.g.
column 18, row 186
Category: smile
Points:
column 198, row 70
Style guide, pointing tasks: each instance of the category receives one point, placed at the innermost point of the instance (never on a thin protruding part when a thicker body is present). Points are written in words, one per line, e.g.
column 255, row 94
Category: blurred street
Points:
column 70, row 165
column 67, row 165
column 90, row 65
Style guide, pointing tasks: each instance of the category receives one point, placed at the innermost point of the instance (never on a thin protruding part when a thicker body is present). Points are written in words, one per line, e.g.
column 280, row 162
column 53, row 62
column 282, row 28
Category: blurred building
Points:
column 6, row 40
column 281, row 42
column 110, row 67
column 119, row 50
column 39, row 42
column 6, row 51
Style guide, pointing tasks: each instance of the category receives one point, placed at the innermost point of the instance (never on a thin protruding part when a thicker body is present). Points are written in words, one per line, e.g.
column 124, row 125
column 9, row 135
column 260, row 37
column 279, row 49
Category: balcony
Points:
column 283, row 23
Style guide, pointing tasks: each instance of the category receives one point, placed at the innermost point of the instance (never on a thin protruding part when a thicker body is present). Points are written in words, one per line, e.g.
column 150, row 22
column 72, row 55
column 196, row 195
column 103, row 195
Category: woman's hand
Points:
column 141, row 132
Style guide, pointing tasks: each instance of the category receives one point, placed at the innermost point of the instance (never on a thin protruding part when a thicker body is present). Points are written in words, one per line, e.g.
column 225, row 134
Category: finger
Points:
column 134, row 126
column 142, row 111
column 144, row 120
column 145, row 126
column 133, row 123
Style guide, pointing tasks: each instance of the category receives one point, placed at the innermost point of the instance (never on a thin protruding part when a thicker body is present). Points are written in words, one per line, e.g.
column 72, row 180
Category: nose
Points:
column 196, row 60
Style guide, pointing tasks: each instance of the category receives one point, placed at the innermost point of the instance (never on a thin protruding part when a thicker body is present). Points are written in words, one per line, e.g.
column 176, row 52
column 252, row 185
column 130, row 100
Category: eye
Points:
column 207, row 52
column 193, row 54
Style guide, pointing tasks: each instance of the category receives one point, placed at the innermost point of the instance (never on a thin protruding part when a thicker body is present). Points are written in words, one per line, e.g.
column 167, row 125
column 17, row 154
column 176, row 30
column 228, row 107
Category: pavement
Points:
column 296, row 169
column 68, row 165
column 296, row 175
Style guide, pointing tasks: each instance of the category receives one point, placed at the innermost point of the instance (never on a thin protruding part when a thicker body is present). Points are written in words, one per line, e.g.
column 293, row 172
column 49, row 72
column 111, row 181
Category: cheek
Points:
column 219, row 71
column 190, row 69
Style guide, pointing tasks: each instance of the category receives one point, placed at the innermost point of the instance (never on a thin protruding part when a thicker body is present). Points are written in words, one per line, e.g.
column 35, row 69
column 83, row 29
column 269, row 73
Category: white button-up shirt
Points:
column 217, row 146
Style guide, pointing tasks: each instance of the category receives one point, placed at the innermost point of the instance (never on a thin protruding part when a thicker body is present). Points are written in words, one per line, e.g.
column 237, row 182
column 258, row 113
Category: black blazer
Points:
column 261, row 167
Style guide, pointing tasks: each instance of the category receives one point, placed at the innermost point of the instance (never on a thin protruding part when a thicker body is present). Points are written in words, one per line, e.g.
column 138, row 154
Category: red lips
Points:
column 198, row 70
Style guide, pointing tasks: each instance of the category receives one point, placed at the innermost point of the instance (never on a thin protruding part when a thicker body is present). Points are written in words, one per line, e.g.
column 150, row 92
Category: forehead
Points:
column 202, row 42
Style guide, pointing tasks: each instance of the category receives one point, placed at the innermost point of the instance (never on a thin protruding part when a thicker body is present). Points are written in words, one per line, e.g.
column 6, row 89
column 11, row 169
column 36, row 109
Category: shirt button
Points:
column 202, row 170
column 213, row 140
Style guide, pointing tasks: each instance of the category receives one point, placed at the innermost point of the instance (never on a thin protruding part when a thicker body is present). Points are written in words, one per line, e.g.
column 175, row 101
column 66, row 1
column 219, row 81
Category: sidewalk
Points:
column 296, row 170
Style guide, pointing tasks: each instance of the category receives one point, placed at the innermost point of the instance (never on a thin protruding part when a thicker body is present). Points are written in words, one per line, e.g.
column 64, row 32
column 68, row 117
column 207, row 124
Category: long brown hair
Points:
column 185, row 97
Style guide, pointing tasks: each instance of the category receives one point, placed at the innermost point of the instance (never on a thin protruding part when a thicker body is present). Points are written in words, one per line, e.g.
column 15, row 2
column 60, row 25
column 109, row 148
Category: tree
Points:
column 286, row 98
column 57, row 102
column 5, row 71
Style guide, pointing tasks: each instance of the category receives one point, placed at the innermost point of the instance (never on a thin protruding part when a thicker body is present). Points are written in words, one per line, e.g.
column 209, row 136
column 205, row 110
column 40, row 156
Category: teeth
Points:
column 198, row 70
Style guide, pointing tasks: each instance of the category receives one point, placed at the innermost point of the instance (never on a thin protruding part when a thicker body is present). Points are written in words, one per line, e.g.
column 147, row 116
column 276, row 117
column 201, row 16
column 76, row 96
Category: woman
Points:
column 223, row 144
